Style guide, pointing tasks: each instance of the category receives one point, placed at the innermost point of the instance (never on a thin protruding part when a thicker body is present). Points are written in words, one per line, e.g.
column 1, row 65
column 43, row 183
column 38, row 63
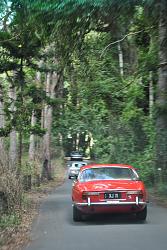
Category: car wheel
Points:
column 69, row 177
column 142, row 214
column 77, row 214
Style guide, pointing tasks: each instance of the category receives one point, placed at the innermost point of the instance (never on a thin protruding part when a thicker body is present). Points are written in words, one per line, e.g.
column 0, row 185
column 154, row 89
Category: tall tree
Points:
column 13, row 133
column 161, row 120
column 52, row 81
column 2, row 117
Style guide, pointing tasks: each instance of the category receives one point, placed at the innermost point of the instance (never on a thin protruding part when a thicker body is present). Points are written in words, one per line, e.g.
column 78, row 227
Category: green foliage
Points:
column 67, row 4
column 37, row 130
column 11, row 220
column 4, row 132
column 114, row 110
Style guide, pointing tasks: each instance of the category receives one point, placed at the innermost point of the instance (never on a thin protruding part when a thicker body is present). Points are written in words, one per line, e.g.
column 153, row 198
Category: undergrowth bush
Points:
column 162, row 189
column 10, row 187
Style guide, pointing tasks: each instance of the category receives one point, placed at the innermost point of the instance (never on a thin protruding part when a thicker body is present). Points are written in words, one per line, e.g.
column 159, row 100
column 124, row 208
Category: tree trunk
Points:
column 46, row 171
column 161, row 120
column 13, row 135
column 32, row 140
column 20, row 151
column 3, row 156
column 121, row 62
column 34, row 153
column 151, row 94
column 2, row 118
column 51, row 82
column 31, row 153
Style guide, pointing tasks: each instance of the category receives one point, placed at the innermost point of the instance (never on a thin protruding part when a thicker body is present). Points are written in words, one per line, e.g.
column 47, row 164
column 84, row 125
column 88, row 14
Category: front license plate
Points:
column 112, row 195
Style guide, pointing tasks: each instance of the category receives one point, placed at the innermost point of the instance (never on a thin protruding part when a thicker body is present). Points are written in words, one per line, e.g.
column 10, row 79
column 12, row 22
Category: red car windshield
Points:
column 107, row 173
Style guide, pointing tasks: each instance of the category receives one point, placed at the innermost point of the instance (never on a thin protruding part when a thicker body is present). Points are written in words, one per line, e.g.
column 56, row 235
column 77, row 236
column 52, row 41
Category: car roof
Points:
column 79, row 162
column 106, row 165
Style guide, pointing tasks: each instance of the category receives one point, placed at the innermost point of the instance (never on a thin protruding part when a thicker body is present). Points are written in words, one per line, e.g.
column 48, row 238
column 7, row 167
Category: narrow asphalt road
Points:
column 54, row 228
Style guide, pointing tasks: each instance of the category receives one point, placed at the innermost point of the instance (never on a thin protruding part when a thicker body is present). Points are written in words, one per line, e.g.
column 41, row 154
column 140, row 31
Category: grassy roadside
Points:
column 15, row 228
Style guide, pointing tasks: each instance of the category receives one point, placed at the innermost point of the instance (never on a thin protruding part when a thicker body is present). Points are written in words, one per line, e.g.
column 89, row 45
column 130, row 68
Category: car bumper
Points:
column 75, row 158
column 72, row 175
column 109, row 203
column 108, row 206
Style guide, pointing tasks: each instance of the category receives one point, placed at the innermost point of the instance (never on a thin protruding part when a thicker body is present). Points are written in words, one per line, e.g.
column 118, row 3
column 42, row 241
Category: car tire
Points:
column 77, row 214
column 142, row 214
column 69, row 177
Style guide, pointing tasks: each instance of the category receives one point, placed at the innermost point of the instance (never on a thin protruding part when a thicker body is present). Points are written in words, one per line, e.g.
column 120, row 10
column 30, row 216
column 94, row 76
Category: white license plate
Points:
column 112, row 202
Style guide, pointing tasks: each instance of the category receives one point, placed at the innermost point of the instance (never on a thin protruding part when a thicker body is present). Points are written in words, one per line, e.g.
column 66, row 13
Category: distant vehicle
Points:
column 76, row 156
column 75, row 168
column 108, row 188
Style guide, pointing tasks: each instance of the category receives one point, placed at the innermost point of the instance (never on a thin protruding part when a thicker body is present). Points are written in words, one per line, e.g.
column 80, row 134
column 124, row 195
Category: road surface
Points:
column 54, row 228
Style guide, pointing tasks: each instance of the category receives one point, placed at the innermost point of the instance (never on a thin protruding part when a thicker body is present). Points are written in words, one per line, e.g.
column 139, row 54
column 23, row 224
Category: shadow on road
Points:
column 105, row 219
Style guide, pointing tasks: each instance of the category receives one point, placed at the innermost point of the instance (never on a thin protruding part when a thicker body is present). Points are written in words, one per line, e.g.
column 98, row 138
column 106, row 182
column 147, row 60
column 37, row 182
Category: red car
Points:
column 108, row 188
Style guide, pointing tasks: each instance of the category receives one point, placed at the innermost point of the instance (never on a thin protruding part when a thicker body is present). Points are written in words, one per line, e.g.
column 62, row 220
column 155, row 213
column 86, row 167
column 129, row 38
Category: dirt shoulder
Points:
column 15, row 238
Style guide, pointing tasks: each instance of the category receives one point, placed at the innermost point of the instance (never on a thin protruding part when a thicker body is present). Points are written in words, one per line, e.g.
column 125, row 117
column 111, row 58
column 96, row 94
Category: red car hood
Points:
column 108, row 185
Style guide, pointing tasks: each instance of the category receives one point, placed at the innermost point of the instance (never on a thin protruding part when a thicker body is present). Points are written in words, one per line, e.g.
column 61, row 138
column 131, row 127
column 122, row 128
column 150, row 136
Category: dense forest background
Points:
column 81, row 75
